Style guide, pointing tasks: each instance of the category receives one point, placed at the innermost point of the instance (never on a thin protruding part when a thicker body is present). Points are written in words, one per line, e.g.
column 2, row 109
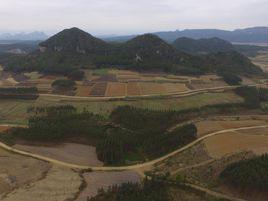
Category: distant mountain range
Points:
column 202, row 46
column 73, row 49
column 248, row 35
column 23, row 36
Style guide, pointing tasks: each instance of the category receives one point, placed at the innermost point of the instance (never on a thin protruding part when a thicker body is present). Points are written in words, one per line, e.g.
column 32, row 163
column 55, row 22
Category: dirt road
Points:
column 132, row 167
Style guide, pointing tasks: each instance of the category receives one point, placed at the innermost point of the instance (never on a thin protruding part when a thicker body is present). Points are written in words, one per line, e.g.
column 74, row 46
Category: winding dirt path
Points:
column 131, row 167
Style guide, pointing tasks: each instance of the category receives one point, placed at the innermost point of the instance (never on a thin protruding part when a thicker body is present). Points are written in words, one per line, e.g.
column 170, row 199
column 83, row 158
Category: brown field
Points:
column 173, row 88
column 133, row 89
column 209, row 126
column 83, row 90
column 152, row 88
column 60, row 184
column 234, row 142
column 4, row 128
column 115, row 89
column 201, row 84
column 97, row 180
column 17, row 171
column 67, row 152
column 98, row 89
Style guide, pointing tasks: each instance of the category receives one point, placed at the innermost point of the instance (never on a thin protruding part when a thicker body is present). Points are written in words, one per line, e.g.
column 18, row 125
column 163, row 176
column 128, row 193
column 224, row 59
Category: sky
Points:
column 106, row 17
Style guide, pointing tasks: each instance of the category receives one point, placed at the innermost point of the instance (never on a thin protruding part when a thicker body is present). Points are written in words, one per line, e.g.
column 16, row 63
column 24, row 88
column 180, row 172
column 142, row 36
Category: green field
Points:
column 14, row 111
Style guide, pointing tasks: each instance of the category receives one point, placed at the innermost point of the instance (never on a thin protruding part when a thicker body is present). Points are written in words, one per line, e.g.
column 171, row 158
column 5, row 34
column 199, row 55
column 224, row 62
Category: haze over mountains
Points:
column 247, row 35
column 23, row 36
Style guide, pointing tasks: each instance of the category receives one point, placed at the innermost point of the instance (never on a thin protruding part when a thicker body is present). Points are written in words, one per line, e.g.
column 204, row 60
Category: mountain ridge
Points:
column 252, row 34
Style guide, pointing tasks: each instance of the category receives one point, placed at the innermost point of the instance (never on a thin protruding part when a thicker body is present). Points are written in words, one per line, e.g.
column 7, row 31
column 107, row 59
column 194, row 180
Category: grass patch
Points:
column 100, row 72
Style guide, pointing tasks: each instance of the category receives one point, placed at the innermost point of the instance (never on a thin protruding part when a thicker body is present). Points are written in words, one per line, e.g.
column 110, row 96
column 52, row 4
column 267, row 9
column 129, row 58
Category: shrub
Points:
column 250, row 95
column 231, row 79
column 76, row 75
column 63, row 84
column 248, row 173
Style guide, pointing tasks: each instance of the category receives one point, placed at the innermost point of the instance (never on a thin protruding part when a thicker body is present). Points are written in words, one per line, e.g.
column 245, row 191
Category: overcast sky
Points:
column 101, row 17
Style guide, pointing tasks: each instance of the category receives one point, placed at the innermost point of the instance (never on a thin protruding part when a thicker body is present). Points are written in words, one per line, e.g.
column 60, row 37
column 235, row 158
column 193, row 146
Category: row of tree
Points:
column 250, row 173
column 19, row 93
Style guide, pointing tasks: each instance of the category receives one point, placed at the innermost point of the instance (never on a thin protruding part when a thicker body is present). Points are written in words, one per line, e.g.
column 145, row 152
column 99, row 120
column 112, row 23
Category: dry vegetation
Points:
column 233, row 142
column 60, row 184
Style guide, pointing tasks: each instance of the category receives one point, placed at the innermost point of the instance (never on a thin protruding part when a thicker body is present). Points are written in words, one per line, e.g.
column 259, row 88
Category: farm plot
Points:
column 83, row 90
column 67, row 152
column 126, row 76
column 209, row 126
column 133, row 89
column 98, row 89
column 234, row 142
column 207, row 82
column 60, row 184
column 173, row 88
column 17, row 171
column 152, row 88
column 98, row 180
column 115, row 89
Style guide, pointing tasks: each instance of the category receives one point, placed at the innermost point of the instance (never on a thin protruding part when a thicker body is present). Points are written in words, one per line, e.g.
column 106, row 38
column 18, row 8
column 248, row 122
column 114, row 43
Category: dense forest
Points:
column 250, row 173
column 115, row 143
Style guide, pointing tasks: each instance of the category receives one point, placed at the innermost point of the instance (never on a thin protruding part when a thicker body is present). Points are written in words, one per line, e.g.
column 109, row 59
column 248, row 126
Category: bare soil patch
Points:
column 60, row 184
column 98, row 180
column 17, row 171
column 68, row 152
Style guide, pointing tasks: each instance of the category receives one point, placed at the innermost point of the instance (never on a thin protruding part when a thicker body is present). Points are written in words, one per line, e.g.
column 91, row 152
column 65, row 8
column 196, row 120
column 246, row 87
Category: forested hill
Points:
column 202, row 46
column 74, row 40
column 74, row 49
